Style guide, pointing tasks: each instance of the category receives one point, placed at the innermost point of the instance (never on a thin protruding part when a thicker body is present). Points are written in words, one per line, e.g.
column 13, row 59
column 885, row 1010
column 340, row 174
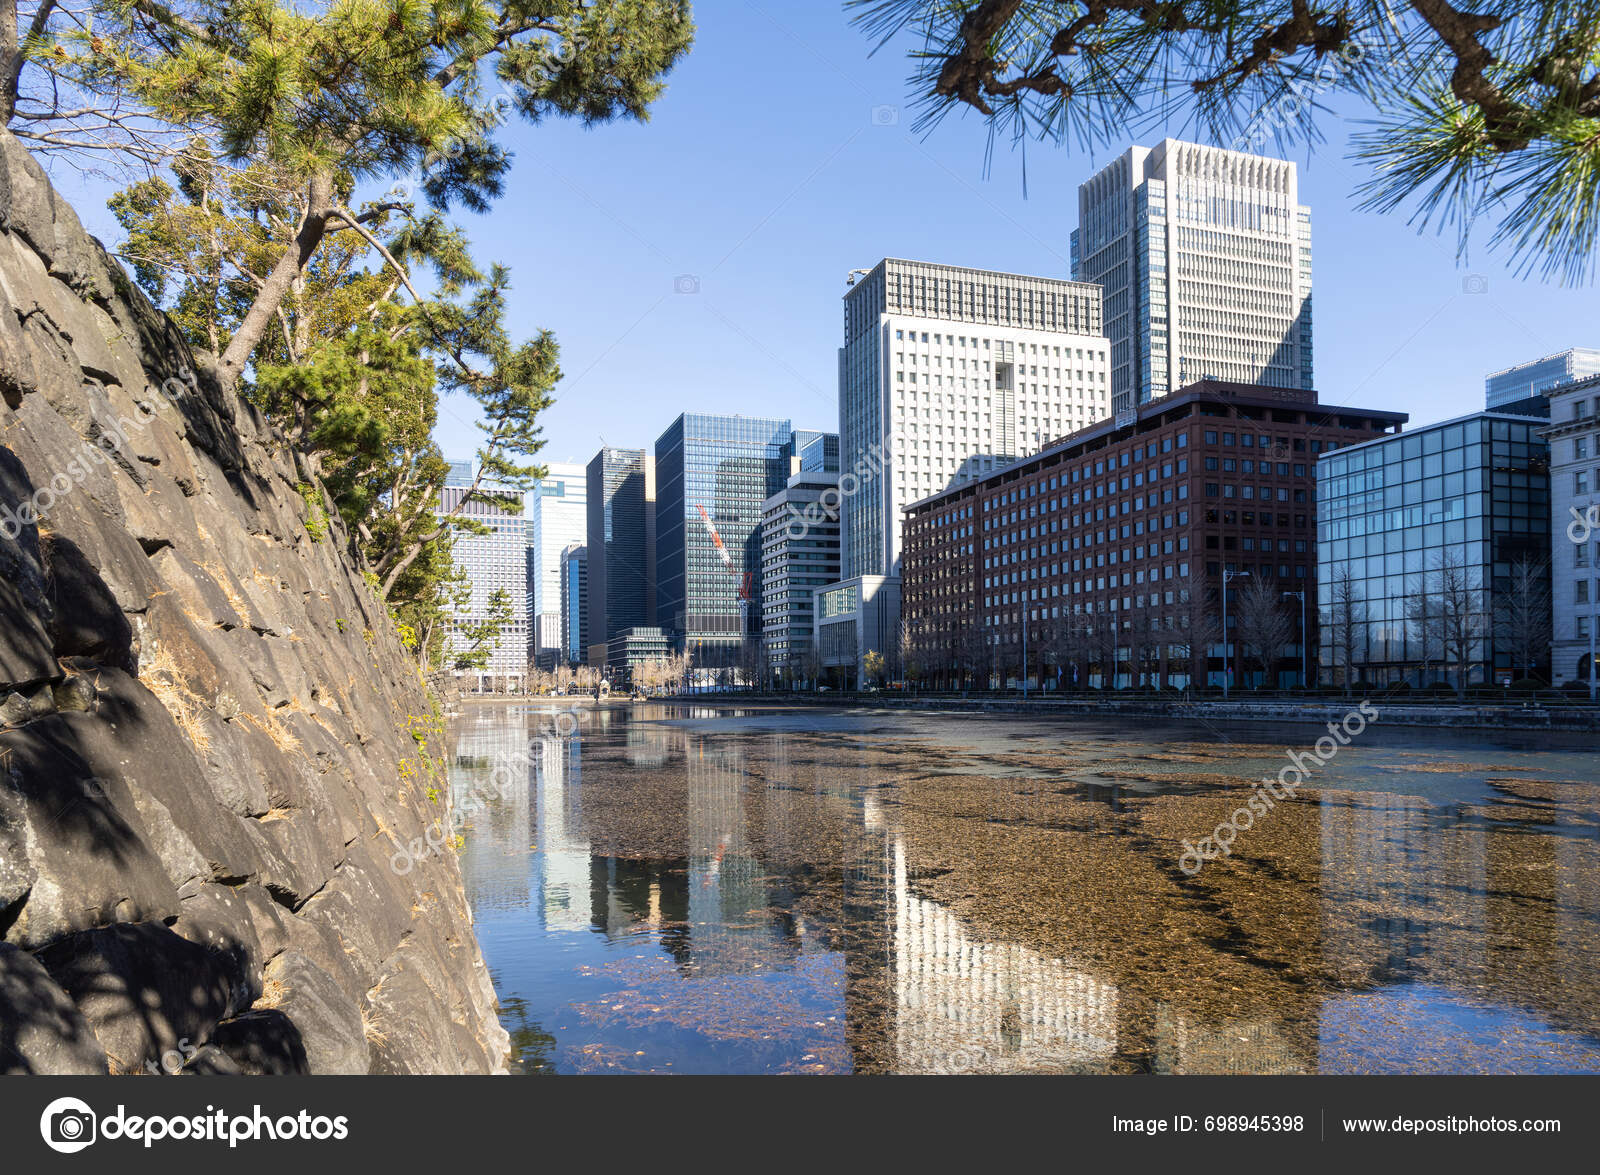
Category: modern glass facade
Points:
column 575, row 603
column 714, row 473
column 621, row 543
column 1529, row 381
column 817, row 452
column 631, row 648
column 1394, row 514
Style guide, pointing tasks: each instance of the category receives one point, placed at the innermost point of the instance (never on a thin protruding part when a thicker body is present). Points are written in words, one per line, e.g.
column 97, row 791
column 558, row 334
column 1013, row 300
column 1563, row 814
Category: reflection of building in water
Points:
column 1397, row 886
column 627, row 895
column 962, row 1004
column 732, row 930
column 564, row 852
column 649, row 744
column 491, row 779
column 1185, row 1045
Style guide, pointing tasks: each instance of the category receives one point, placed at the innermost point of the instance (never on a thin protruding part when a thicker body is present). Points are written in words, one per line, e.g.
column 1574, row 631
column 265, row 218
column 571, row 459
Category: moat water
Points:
column 716, row 889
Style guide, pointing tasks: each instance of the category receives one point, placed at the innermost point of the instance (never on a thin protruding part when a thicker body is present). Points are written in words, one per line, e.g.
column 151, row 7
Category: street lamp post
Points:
column 1305, row 649
column 1024, row 646
column 1593, row 620
column 1228, row 576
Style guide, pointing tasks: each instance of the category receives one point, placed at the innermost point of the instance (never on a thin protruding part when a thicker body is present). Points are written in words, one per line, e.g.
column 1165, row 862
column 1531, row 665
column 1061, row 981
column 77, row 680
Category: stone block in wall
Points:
column 41, row 1029
column 90, row 861
column 143, row 989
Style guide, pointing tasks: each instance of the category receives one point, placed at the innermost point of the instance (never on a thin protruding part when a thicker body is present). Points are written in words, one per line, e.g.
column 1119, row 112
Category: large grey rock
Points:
column 41, row 1029
column 85, row 617
column 26, row 655
column 143, row 989
column 132, row 736
column 91, row 862
column 409, row 1022
column 263, row 1042
column 28, row 206
column 218, row 918
column 327, row 1016
column 267, row 918
column 367, row 906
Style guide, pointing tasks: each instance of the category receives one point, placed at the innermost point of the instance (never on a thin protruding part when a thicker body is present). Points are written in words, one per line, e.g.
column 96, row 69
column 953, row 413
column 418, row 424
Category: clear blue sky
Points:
column 766, row 175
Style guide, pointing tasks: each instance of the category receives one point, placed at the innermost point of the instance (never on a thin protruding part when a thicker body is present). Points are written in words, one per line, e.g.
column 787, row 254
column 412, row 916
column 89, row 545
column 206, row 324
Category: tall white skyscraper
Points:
column 558, row 517
column 492, row 561
column 1204, row 256
column 946, row 373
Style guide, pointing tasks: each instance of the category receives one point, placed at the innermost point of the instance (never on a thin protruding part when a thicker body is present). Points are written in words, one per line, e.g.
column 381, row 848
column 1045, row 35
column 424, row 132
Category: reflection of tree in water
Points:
column 533, row 1049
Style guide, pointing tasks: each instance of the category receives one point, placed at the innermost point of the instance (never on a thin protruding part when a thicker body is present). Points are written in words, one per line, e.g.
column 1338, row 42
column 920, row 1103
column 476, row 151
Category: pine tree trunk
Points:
column 319, row 201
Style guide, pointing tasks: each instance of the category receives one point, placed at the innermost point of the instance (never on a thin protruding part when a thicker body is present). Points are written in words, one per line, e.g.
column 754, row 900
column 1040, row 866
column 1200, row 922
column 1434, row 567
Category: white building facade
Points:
column 1574, row 436
column 799, row 556
column 1204, row 258
column 557, row 518
column 492, row 561
column 947, row 373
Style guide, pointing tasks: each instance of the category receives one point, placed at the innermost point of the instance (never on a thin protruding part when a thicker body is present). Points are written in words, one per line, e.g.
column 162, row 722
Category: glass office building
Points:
column 1392, row 514
column 713, row 474
column 1204, row 256
column 1521, row 389
column 817, row 452
column 621, row 493
column 574, row 603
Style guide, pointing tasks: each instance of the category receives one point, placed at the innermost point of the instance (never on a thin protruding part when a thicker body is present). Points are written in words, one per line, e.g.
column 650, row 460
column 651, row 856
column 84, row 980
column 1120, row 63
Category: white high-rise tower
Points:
column 946, row 373
column 1204, row 257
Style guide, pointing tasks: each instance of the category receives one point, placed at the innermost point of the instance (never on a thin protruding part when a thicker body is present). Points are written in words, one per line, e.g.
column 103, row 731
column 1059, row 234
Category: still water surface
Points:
column 692, row 889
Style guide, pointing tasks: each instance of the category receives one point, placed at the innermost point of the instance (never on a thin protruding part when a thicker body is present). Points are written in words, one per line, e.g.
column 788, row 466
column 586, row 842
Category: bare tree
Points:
column 1193, row 624
column 1523, row 621
column 914, row 649
column 753, row 661
column 1445, row 610
column 811, row 665
column 1263, row 624
column 973, row 654
column 1145, row 642
column 1345, row 621
column 1062, row 647
column 1103, row 644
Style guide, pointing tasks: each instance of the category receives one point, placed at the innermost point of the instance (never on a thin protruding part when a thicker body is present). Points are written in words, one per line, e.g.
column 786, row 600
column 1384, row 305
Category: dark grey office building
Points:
column 621, row 547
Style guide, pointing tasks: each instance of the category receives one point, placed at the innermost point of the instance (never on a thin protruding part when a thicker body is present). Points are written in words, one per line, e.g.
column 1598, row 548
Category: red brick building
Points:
column 1110, row 547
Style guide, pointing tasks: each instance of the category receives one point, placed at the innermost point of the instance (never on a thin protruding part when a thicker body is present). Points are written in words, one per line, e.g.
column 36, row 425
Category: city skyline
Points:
column 1419, row 326
column 1404, row 323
